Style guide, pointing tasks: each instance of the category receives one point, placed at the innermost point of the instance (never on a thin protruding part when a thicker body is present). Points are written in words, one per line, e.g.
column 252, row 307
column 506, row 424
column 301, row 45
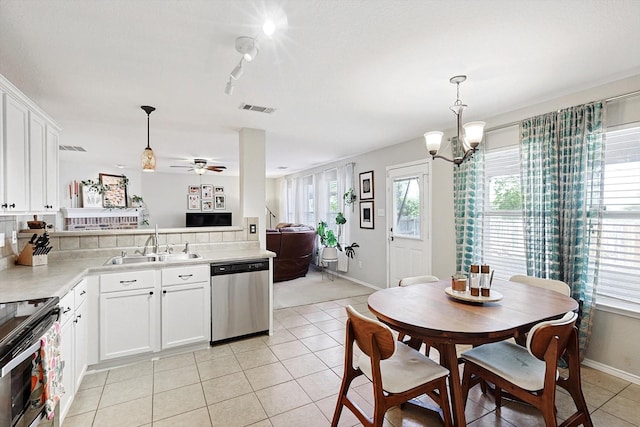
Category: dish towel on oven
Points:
column 46, row 378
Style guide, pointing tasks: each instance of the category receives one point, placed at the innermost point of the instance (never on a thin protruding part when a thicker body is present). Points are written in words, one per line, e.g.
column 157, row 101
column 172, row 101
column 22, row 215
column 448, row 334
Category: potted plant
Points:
column 349, row 198
column 329, row 240
column 136, row 201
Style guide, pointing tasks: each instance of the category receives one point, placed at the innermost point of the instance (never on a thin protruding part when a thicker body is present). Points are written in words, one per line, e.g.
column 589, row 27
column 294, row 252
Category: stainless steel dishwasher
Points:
column 239, row 299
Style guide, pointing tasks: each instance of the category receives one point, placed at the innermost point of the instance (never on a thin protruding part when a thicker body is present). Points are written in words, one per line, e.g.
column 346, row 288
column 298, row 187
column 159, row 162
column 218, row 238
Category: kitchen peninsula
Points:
column 116, row 314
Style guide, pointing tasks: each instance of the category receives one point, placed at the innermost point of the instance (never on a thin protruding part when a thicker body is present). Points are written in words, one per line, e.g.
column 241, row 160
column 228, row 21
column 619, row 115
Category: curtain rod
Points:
column 613, row 98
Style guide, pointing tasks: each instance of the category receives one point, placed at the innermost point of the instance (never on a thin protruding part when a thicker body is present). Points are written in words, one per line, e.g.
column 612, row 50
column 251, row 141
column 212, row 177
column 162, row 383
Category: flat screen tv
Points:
column 208, row 219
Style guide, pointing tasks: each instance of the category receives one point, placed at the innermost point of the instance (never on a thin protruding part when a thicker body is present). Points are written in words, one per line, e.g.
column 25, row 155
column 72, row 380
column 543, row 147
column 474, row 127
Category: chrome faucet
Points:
column 156, row 247
column 186, row 248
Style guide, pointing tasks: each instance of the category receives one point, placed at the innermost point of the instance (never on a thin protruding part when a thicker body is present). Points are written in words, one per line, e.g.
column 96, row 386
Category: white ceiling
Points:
column 346, row 77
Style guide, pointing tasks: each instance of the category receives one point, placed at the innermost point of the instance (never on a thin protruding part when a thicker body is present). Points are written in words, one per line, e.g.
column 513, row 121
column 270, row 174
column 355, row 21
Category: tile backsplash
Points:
column 8, row 224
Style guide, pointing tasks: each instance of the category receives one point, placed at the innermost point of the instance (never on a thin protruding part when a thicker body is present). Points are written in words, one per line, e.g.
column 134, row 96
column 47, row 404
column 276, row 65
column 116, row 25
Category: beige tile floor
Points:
column 292, row 379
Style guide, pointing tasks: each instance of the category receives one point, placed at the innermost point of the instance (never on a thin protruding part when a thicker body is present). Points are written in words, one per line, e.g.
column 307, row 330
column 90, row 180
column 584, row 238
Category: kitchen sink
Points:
column 177, row 257
column 131, row 259
column 136, row 259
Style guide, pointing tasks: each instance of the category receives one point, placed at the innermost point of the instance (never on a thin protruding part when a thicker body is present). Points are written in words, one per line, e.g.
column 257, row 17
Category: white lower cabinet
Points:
column 73, row 342
column 142, row 313
column 128, row 314
column 186, row 315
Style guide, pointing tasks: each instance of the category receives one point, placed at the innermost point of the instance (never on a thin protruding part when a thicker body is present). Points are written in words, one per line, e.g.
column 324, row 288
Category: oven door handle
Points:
column 19, row 358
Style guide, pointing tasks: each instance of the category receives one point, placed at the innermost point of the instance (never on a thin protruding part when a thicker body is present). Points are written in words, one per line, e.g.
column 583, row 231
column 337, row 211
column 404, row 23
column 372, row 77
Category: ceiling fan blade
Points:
column 216, row 168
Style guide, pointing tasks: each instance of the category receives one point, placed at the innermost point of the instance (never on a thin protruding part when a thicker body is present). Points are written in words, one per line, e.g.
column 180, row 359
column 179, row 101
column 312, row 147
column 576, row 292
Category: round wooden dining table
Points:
column 425, row 311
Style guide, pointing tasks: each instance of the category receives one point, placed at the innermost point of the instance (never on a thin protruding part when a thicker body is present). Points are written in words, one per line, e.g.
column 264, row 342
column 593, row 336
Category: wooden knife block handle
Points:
column 27, row 257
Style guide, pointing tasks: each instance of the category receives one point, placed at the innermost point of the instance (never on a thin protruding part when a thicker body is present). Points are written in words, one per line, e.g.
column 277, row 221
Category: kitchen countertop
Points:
column 57, row 278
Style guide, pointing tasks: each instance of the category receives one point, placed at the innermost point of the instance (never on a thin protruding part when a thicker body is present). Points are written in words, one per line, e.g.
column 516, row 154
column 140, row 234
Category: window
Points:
column 406, row 207
column 331, row 180
column 308, row 209
column 619, row 252
column 503, row 235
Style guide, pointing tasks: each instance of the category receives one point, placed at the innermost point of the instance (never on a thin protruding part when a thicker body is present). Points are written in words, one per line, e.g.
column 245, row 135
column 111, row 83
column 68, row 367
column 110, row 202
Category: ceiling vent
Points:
column 259, row 109
column 72, row 148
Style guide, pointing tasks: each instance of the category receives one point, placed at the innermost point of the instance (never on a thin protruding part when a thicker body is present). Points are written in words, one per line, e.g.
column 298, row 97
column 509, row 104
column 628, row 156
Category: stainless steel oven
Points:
column 22, row 324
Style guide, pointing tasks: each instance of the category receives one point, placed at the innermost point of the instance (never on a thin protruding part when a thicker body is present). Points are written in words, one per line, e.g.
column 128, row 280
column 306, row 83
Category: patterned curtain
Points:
column 562, row 167
column 468, row 197
column 581, row 146
column 540, row 182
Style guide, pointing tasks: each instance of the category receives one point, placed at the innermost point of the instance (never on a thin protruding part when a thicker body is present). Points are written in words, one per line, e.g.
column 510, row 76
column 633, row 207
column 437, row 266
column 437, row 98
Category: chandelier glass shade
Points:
column 148, row 158
column 469, row 135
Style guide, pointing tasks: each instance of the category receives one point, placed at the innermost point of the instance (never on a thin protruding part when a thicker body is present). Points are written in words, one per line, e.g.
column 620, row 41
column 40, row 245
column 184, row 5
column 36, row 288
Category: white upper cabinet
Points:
column 36, row 162
column 28, row 154
column 51, row 178
column 16, row 177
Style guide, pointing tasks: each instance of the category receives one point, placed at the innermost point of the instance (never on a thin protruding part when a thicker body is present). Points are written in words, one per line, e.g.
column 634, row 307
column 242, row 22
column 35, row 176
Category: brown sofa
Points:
column 293, row 245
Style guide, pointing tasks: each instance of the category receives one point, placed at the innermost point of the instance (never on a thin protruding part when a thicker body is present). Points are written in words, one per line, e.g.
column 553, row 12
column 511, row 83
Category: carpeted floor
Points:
column 313, row 288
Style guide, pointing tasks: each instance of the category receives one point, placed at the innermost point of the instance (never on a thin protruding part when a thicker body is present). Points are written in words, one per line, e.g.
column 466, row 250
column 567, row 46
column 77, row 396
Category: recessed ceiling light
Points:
column 282, row 167
column 120, row 166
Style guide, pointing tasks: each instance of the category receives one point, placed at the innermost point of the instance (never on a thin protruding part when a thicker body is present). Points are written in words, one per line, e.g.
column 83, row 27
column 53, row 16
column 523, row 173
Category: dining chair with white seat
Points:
column 398, row 372
column 554, row 285
column 408, row 281
column 531, row 373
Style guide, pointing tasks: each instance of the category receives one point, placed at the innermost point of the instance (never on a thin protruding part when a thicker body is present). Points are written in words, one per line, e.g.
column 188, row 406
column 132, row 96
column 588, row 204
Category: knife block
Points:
column 27, row 257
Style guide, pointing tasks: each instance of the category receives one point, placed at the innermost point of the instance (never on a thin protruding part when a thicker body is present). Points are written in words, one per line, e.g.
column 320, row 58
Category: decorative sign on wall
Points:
column 194, row 202
column 115, row 190
column 207, row 192
column 220, row 202
column 366, row 185
column 366, row 215
column 206, row 197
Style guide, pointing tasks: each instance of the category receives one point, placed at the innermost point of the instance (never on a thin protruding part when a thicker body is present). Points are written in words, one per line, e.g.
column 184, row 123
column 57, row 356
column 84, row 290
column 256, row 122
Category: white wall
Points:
column 166, row 196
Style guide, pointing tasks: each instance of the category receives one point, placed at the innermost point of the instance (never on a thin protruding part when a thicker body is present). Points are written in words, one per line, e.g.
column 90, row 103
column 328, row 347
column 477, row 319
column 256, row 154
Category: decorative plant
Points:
column 94, row 185
column 327, row 238
column 350, row 251
column 349, row 197
column 136, row 200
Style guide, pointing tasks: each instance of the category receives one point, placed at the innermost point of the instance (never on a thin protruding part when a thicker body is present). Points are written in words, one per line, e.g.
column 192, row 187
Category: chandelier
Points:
column 469, row 135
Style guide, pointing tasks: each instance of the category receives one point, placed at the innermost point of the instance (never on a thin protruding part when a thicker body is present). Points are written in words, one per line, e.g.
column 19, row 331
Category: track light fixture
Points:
column 248, row 47
column 237, row 72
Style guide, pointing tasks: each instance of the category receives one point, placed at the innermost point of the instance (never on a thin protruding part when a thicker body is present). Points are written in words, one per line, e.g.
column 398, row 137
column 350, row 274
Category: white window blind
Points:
column 503, row 241
column 619, row 251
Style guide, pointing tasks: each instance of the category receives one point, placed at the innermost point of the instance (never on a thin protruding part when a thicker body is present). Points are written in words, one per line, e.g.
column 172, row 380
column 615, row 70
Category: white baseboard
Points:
column 612, row 371
column 360, row 282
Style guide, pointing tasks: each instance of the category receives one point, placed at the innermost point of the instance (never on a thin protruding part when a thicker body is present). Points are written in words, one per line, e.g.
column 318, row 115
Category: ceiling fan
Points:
column 199, row 166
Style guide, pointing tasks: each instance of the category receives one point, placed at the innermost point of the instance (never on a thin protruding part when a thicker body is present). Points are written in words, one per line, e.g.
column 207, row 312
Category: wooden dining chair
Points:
column 397, row 371
column 554, row 285
column 414, row 342
column 531, row 373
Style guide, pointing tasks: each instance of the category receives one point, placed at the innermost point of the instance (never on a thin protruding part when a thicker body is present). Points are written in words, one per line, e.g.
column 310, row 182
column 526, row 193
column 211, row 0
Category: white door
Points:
column 409, row 250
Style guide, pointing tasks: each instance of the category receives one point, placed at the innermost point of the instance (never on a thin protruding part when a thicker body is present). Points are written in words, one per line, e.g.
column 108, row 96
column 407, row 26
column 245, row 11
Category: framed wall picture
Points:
column 219, row 202
column 207, row 205
column 366, row 185
column 207, row 191
column 218, row 190
column 193, row 202
column 115, row 194
column 366, row 215
column 194, row 189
